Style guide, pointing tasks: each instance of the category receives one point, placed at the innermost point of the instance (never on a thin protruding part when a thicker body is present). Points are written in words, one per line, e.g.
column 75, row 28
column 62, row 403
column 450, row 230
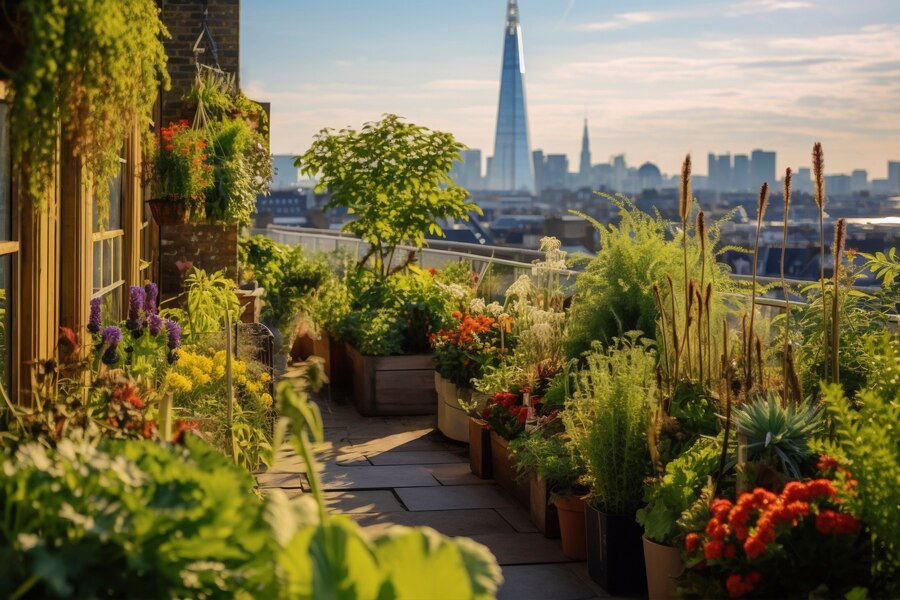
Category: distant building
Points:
column 287, row 176
column 649, row 177
column 584, row 170
column 511, row 168
column 740, row 173
column 282, row 207
column 838, row 184
column 859, row 181
column 466, row 172
column 538, row 164
column 894, row 175
column 556, row 171
column 762, row 169
column 802, row 181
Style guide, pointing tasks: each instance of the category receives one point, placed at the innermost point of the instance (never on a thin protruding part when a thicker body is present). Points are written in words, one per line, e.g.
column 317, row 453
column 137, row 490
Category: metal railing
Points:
column 505, row 268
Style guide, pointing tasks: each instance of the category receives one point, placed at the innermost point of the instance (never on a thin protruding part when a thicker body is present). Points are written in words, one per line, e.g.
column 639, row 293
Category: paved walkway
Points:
column 402, row 471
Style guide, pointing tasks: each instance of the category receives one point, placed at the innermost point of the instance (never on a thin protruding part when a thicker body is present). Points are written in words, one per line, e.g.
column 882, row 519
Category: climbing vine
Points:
column 91, row 67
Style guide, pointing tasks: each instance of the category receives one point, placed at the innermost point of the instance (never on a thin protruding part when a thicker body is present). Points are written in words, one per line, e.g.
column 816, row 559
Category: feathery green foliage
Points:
column 607, row 419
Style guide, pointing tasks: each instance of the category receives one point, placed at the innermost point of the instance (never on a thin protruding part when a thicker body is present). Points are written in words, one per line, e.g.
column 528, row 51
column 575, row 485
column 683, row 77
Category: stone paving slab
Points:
column 522, row 548
column 448, row 522
column 456, row 474
column 362, row 501
column 281, row 480
column 541, row 582
column 518, row 518
column 373, row 478
column 457, row 497
column 417, row 458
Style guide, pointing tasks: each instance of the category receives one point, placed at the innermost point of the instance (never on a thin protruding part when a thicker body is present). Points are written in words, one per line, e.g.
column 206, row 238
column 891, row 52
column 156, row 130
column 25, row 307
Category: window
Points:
column 107, row 241
column 9, row 254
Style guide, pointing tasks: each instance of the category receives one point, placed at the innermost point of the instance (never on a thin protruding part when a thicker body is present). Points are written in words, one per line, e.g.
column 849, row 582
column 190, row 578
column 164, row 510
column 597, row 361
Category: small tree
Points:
column 394, row 177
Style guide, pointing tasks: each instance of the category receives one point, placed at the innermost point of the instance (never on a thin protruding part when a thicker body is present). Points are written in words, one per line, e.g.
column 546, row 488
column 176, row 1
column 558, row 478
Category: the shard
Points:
column 511, row 167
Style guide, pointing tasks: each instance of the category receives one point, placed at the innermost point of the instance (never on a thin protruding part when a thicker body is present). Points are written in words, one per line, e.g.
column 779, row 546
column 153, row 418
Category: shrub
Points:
column 866, row 445
column 607, row 419
column 551, row 457
column 669, row 496
column 241, row 171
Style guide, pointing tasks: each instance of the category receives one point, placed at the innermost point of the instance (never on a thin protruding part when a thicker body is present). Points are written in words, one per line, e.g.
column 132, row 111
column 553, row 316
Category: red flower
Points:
column 754, row 547
column 150, row 429
column 181, row 429
column 692, row 542
column 829, row 521
column 713, row 549
column 827, row 463
column 720, row 508
column 738, row 586
column 730, row 551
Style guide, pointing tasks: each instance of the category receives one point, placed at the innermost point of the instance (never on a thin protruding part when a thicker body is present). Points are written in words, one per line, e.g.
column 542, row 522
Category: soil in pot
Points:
column 663, row 564
column 570, row 510
column 615, row 553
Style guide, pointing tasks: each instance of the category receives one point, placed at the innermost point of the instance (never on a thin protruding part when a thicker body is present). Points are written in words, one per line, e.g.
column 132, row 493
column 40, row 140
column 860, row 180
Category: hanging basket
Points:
column 168, row 211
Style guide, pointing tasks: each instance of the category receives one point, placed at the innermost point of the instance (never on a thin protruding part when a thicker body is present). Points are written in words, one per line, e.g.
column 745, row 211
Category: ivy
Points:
column 92, row 67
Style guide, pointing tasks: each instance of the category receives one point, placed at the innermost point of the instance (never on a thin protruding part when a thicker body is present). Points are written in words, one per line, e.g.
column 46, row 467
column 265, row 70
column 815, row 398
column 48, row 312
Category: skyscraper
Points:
column 584, row 168
column 511, row 168
column 762, row 169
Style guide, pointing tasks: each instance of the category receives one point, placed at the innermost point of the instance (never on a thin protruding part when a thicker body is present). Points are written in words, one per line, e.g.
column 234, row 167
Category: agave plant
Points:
column 772, row 430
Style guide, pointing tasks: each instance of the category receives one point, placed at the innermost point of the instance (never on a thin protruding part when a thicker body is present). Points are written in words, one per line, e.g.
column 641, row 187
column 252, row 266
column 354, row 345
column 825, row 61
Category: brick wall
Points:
column 184, row 20
column 208, row 247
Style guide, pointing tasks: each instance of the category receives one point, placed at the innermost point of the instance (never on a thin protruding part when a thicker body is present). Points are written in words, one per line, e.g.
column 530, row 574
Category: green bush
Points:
column 288, row 275
column 607, row 419
column 552, row 458
column 671, row 495
column 241, row 170
column 613, row 295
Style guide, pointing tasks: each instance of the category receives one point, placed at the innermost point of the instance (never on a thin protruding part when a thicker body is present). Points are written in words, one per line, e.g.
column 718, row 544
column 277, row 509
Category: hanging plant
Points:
column 91, row 67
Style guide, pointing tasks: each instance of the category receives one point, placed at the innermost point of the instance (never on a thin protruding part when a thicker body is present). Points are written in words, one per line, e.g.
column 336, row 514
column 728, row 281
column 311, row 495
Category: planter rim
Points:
column 651, row 542
column 416, row 355
column 572, row 503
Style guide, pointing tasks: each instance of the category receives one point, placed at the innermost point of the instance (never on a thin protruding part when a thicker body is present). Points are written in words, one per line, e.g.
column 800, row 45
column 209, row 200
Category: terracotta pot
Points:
column 168, row 211
column 480, row 448
column 505, row 473
column 570, row 510
column 541, row 510
column 615, row 553
column 663, row 564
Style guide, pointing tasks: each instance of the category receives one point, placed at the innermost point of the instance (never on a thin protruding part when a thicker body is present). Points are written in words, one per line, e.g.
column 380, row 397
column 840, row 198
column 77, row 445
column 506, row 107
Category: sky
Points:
column 656, row 79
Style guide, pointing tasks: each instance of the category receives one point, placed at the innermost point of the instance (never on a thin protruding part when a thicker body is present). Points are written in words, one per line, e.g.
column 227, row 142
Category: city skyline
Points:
column 656, row 83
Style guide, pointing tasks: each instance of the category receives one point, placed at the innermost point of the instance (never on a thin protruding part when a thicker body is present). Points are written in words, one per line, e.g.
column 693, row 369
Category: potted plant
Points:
column 667, row 498
column 554, row 472
column 461, row 353
column 607, row 419
column 180, row 173
column 399, row 202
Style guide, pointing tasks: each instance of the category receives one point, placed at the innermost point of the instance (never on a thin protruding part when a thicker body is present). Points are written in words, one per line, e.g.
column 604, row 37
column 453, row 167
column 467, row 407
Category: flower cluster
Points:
column 761, row 524
column 478, row 341
column 181, row 170
column 195, row 370
column 506, row 413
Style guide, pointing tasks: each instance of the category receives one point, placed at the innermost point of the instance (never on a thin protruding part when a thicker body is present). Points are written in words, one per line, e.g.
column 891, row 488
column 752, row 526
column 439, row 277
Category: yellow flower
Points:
column 265, row 378
column 252, row 387
column 266, row 399
column 178, row 382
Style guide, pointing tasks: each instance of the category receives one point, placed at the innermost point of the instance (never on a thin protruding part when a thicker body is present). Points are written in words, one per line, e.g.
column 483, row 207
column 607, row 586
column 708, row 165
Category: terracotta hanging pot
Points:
column 168, row 211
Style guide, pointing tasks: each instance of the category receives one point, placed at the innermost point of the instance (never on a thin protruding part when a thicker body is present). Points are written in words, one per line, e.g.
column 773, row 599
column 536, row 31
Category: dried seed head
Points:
column 840, row 237
column 701, row 231
column 708, row 298
column 818, row 163
column 763, row 201
column 788, row 174
column 684, row 206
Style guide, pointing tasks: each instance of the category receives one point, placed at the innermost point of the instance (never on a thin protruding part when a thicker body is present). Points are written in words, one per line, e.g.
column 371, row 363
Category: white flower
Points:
column 477, row 306
column 495, row 309
column 550, row 244
column 521, row 287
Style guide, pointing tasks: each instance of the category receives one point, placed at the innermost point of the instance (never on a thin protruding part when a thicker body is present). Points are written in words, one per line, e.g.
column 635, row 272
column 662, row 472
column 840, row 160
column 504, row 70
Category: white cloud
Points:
column 623, row 20
column 750, row 7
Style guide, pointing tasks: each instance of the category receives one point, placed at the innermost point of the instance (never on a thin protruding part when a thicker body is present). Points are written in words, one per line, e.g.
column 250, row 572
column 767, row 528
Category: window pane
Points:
column 98, row 266
column 5, row 169
column 114, row 191
column 108, row 263
column 5, row 321
column 117, row 258
column 112, row 304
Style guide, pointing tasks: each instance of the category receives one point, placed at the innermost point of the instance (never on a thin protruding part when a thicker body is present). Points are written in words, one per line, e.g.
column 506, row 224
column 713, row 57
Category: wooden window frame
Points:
column 12, row 247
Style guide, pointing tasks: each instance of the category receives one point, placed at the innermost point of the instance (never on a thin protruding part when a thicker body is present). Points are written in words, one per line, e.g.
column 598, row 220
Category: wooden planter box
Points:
column 543, row 512
column 337, row 364
column 480, row 449
column 392, row 385
column 505, row 470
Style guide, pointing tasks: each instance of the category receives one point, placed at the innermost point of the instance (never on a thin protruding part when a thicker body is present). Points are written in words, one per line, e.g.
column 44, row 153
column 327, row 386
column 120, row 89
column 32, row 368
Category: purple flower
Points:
column 155, row 322
column 111, row 336
column 151, row 293
column 94, row 322
column 135, row 305
column 174, row 331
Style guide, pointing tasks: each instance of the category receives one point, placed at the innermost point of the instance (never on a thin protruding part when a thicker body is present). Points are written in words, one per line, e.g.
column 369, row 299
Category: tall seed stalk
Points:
column 684, row 209
column 699, row 333
column 709, row 342
column 840, row 235
column 665, row 335
column 674, row 327
column 760, row 213
column 818, row 163
column 784, row 290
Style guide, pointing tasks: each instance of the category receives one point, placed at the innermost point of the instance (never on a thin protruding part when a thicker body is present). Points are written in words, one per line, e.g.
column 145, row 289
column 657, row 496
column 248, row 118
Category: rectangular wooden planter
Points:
column 392, row 385
column 505, row 470
column 543, row 512
column 337, row 364
column 480, row 449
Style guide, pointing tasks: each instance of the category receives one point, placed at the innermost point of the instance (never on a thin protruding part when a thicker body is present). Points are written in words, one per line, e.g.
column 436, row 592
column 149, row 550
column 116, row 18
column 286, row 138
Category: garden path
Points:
column 403, row 471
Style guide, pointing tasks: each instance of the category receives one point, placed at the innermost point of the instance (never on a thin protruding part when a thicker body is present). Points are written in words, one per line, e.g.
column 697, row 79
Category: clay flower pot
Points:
column 663, row 565
column 570, row 510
